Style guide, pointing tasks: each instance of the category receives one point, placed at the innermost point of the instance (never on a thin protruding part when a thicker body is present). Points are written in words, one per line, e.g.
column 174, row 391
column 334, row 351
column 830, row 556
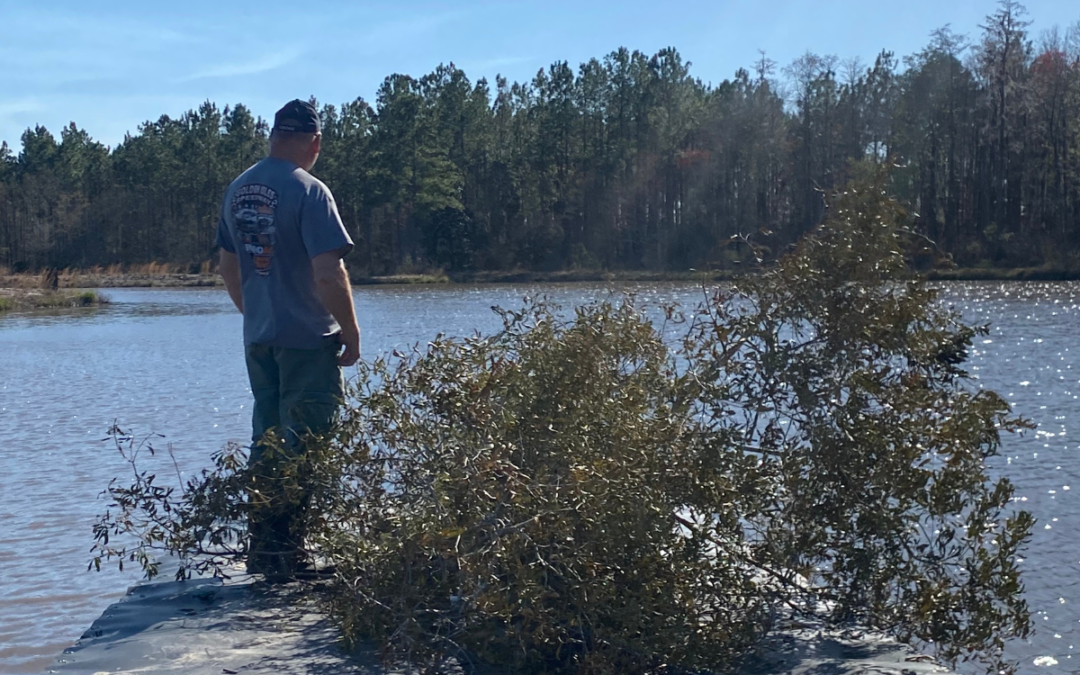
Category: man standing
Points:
column 281, row 242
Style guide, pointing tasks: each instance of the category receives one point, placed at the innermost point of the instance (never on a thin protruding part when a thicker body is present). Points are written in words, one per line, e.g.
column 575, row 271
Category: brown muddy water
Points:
column 171, row 362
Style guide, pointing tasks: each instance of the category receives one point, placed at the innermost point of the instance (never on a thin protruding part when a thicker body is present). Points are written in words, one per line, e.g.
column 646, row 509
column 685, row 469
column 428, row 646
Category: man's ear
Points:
column 317, row 145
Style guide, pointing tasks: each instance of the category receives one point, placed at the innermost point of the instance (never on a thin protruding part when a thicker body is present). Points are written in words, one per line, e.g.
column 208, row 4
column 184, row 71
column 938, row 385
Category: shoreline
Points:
column 572, row 276
column 71, row 280
column 74, row 279
column 205, row 625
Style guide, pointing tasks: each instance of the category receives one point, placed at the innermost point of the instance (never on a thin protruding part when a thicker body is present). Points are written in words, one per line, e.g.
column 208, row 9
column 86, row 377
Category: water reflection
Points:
column 170, row 361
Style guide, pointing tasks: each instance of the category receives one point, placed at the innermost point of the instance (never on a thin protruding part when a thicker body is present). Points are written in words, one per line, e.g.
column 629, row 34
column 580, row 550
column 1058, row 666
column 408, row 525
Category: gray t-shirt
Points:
column 276, row 217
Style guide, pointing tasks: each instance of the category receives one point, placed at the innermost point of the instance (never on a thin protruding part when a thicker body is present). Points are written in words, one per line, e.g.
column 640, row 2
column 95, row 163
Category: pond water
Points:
column 170, row 362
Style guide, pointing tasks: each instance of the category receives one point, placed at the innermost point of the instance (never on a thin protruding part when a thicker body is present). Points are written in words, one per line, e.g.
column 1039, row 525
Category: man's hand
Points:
column 332, row 285
column 351, row 342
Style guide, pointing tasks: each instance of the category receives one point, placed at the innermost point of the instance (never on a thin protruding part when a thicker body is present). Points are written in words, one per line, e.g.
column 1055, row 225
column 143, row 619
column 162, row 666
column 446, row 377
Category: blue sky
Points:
column 108, row 66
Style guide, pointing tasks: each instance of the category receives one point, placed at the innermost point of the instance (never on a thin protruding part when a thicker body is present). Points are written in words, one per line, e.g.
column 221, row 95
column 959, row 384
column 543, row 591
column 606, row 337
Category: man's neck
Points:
column 285, row 158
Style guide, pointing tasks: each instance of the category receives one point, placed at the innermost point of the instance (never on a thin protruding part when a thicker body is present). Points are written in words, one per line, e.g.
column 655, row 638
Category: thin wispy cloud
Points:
column 26, row 105
column 45, row 51
column 15, row 117
column 263, row 64
column 92, row 28
column 398, row 33
column 501, row 62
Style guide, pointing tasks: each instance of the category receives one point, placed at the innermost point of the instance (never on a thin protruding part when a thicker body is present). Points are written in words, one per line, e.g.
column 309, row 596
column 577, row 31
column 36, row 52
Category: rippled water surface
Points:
column 171, row 362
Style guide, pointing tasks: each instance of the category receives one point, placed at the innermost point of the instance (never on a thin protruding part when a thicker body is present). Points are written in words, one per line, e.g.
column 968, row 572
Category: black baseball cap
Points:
column 298, row 116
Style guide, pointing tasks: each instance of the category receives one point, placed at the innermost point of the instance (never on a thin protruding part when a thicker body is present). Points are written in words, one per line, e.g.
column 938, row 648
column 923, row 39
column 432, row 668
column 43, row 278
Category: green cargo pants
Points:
column 298, row 392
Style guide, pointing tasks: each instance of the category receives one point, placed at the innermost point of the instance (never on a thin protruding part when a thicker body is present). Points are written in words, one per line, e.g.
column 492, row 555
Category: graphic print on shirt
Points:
column 253, row 208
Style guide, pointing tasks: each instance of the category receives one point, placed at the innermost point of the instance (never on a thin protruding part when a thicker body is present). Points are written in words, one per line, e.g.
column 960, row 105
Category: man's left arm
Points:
column 327, row 243
column 335, row 292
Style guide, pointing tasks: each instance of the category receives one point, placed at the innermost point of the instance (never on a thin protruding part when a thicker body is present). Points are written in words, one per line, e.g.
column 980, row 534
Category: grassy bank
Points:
column 164, row 276
column 24, row 299
column 1004, row 274
column 171, row 276
column 118, row 276
column 128, row 280
column 529, row 276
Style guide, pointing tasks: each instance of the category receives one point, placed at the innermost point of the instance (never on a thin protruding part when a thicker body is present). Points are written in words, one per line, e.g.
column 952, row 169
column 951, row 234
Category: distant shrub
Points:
column 587, row 494
column 87, row 298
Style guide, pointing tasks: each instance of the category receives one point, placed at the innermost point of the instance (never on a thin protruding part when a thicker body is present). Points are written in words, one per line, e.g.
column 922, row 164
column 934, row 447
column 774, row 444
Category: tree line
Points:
column 627, row 163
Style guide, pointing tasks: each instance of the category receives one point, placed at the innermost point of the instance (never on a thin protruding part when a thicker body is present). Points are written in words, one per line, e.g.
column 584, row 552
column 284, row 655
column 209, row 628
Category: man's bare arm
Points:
column 332, row 285
column 229, row 266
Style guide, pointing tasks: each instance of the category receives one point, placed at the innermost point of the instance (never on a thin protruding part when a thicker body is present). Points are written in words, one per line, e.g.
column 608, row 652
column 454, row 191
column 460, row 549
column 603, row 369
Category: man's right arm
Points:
column 335, row 292
column 229, row 266
column 229, row 263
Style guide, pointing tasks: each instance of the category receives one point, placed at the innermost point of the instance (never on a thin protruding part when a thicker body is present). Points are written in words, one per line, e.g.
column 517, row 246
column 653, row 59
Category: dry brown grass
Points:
column 117, row 276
